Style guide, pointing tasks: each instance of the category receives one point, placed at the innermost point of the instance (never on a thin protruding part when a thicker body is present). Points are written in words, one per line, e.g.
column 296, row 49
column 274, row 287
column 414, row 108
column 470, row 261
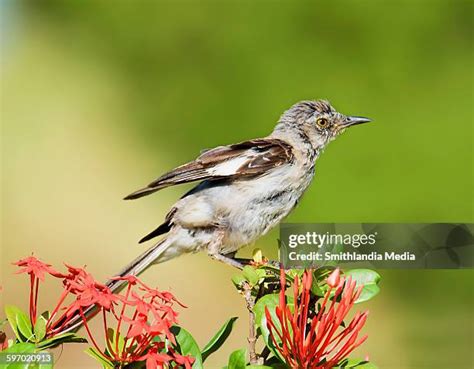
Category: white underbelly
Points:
column 244, row 209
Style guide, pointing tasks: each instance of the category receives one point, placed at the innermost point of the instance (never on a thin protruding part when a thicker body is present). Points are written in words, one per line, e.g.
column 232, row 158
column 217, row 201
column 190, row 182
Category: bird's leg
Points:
column 227, row 260
column 243, row 261
column 215, row 246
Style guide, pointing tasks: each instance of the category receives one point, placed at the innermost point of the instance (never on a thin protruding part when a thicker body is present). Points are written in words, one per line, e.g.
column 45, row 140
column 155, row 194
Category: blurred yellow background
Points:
column 99, row 98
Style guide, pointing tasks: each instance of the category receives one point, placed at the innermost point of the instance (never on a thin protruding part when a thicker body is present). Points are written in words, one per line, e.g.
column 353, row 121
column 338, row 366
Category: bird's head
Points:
column 314, row 122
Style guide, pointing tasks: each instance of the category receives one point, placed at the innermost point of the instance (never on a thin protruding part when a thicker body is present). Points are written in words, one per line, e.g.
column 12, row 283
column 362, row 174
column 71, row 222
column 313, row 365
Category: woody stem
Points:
column 252, row 338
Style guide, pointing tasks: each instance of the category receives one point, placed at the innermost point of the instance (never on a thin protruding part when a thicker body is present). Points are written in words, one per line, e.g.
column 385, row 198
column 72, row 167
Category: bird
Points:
column 243, row 190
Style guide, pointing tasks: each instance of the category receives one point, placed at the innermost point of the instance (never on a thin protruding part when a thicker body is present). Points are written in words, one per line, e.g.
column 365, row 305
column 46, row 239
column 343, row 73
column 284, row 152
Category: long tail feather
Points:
column 140, row 264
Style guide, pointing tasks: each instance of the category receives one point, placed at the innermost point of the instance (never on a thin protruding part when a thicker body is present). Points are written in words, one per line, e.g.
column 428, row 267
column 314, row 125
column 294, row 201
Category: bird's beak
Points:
column 352, row 121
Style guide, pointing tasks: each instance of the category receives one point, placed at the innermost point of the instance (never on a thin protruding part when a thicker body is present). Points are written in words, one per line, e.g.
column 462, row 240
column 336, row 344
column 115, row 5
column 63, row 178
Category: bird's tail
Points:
column 155, row 254
column 141, row 263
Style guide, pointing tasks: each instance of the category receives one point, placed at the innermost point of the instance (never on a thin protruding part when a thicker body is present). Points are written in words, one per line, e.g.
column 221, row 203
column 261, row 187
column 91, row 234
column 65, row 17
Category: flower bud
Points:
column 334, row 279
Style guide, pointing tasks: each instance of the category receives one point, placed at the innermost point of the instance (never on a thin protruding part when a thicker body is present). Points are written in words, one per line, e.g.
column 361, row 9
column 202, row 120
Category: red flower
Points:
column 155, row 359
column 163, row 296
column 140, row 304
column 150, row 320
column 88, row 292
column 36, row 270
column 131, row 279
column 138, row 326
column 187, row 361
column 35, row 267
column 334, row 279
column 96, row 294
column 143, row 336
column 314, row 339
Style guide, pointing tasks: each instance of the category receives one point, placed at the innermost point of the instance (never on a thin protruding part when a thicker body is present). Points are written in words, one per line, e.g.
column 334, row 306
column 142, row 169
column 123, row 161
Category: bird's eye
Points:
column 322, row 122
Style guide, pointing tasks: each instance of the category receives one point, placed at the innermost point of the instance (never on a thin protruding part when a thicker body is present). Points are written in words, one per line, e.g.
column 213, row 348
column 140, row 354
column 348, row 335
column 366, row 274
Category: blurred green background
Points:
column 98, row 98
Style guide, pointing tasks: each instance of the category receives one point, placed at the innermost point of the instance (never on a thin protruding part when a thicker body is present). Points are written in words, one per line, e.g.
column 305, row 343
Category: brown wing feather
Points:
column 271, row 155
column 263, row 154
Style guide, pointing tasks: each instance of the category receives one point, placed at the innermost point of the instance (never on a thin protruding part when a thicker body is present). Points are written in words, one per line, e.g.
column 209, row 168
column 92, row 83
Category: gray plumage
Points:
column 245, row 189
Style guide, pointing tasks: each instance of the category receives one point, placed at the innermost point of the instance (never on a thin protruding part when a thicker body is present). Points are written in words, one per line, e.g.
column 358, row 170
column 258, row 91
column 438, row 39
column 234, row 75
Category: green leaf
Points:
column 24, row 325
column 276, row 363
column 219, row 338
column 10, row 312
column 250, row 275
column 40, row 329
column 367, row 366
column 238, row 279
column 270, row 301
column 355, row 363
column 260, row 272
column 136, row 365
column 368, row 292
column 336, row 249
column 19, row 322
column 258, row 367
column 293, row 273
column 187, row 345
column 316, row 289
column 111, row 335
column 19, row 348
column 257, row 255
column 238, row 359
column 92, row 352
column 320, row 274
column 367, row 278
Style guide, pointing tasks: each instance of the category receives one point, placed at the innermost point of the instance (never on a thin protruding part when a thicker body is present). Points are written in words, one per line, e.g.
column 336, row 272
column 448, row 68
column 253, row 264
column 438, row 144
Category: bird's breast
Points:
column 252, row 208
column 246, row 209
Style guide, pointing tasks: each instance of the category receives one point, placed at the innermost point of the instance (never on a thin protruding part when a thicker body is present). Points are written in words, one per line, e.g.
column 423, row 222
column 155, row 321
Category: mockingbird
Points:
column 245, row 189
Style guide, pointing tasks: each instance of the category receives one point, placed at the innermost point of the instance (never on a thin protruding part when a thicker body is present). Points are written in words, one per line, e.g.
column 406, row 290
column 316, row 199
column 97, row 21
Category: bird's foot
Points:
column 240, row 263
column 252, row 262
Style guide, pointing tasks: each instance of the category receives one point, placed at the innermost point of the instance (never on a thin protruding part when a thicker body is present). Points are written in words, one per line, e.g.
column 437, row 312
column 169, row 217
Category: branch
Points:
column 252, row 338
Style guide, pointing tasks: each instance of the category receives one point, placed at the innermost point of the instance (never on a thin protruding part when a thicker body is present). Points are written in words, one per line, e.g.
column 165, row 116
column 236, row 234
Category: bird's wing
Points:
column 243, row 160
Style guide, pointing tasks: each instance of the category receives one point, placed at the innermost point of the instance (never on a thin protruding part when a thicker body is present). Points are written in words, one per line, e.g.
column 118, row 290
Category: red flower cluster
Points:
column 142, row 316
column 146, row 327
column 312, row 337
column 87, row 292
